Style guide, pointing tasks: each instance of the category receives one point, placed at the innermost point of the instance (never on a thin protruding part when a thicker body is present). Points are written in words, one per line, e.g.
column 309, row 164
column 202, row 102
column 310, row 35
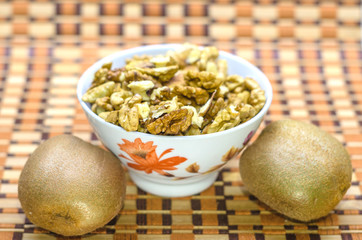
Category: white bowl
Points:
column 173, row 166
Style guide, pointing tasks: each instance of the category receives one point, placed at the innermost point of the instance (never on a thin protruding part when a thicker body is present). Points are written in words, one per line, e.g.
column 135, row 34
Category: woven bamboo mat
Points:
column 310, row 50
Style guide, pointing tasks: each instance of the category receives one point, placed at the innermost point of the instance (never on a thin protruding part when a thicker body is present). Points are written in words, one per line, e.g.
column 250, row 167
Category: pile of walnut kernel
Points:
column 185, row 92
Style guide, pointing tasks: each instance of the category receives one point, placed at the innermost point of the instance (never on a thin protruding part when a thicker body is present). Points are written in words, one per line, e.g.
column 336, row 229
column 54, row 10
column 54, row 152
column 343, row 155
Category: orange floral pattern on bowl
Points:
column 143, row 157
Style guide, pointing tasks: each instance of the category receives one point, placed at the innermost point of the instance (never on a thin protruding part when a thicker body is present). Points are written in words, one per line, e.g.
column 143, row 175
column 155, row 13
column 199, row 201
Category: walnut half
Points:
column 173, row 123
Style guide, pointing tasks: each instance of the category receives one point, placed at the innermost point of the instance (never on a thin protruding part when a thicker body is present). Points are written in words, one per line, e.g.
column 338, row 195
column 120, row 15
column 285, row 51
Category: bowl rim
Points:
column 82, row 81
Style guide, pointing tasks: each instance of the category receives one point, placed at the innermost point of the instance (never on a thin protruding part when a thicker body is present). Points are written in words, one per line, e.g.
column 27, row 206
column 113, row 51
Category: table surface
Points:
column 310, row 51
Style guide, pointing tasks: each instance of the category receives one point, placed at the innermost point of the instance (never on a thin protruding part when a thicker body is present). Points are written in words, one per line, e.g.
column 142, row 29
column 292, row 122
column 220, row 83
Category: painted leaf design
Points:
column 247, row 139
column 214, row 168
column 233, row 152
column 170, row 163
column 193, row 168
column 143, row 157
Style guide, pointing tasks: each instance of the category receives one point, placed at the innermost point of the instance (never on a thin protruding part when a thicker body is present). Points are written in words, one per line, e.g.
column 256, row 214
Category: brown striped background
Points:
column 310, row 50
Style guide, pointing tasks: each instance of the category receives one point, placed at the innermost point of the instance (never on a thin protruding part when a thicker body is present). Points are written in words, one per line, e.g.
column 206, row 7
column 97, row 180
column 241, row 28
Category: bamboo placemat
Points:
column 310, row 50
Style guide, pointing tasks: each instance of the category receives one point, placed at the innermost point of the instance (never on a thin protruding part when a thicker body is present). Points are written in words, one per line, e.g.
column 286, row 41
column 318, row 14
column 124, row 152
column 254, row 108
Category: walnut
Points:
column 160, row 94
column 193, row 56
column 162, row 74
column 117, row 87
column 134, row 75
column 163, row 61
column 100, row 91
column 97, row 109
column 211, row 67
column 216, row 107
column 128, row 115
column 141, row 128
column 173, row 123
column 188, row 95
column 114, row 75
column 143, row 110
column 100, row 76
column 107, row 65
column 118, row 98
column 205, row 108
column 105, row 74
column 180, row 55
column 128, row 118
column 104, row 115
column 238, row 98
column 222, row 67
column 176, row 80
column 225, row 119
column 234, row 81
column 222, row 92
column 196, row 119
column 193, row 168
column 257, row 99
column 205, row 80
column 104, row 103
column 165, row 107
column 133, row 100
column 246, row 112
column 193, row 130
column 219, row 68
column 139, row 61
column 251, row 84
column 207, row 54
column 112, row 117
column 184, row 92
column 141, row 88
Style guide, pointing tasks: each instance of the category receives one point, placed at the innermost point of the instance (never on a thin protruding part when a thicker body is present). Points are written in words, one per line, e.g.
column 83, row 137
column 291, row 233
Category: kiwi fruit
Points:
column 71, row 187
column 296, row 169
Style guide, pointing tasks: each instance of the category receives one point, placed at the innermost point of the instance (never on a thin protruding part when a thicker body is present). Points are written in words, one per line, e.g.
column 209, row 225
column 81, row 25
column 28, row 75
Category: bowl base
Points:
column 178, row 188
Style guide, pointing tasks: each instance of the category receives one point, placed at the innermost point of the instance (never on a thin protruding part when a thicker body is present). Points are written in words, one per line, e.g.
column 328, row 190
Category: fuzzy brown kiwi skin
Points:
column 297, row 169
column 70, row 187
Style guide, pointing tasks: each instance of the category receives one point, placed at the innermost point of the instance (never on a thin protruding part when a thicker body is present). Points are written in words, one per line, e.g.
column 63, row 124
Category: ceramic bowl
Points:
column 173, row 166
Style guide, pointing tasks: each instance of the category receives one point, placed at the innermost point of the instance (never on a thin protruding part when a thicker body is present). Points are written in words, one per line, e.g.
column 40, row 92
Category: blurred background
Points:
column 293, row 42
column 310, row 50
